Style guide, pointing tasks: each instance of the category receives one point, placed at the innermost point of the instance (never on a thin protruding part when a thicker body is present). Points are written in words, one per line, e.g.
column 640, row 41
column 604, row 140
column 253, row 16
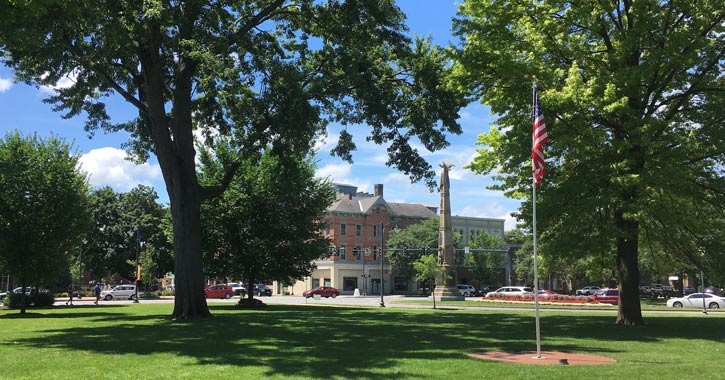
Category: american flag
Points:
column 539, row 139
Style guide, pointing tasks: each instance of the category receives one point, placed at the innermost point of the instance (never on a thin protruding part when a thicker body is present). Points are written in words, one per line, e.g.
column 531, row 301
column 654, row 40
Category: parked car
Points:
column 510, row 291
column 546, row 293
column 323, row 291
column 466, row 290
column 28, row 292
column 262, row 290
column 485, row 289
column 219, row 291
column 238, row 290
column 607, row 295
column 587, row 290
column 124, row 292
column 696, row 300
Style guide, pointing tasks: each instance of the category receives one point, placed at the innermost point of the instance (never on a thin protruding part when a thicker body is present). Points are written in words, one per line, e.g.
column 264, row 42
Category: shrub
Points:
column 12, row 300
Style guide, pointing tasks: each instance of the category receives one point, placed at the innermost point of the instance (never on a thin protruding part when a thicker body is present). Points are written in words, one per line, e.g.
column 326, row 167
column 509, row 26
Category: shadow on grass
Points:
column 327, row 342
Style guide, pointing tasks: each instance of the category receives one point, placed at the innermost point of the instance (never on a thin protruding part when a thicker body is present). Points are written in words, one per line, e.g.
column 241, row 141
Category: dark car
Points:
column 261, row 290
column 322, row 291
column 219, row 291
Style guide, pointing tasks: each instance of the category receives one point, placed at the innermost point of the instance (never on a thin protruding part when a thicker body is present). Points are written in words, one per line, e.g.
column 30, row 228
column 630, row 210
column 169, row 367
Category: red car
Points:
column 323, row 291
column 607, row 295
column 219, row 291
column 546, row 293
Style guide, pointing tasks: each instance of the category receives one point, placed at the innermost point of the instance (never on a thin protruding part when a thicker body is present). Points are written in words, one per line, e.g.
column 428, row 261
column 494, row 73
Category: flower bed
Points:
column 558, row 298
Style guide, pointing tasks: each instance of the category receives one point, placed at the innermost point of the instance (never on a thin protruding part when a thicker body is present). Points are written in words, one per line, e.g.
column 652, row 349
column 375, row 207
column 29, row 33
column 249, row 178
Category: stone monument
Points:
column 446, row 289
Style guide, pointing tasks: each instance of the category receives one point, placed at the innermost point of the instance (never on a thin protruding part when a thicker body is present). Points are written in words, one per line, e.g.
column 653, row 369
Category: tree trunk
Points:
column 23, row 299
column 629, row 310
column 190, row 302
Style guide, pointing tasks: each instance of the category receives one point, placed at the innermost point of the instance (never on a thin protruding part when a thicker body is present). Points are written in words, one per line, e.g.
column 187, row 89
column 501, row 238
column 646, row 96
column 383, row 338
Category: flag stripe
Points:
column 540, row 137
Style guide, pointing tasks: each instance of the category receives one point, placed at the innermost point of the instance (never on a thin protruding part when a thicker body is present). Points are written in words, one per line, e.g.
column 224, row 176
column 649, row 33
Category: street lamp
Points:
column 382, row 261
column 364, row 276
column 138, row 271
column 80, row 265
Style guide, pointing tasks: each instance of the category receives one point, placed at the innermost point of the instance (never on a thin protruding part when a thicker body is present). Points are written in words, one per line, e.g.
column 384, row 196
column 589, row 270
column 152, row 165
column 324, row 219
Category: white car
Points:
column 238, row 289
column 695, row 300
column 124, row 292
column 466, row 290
column 510, row 291
column 28, row 292
column 587, row 290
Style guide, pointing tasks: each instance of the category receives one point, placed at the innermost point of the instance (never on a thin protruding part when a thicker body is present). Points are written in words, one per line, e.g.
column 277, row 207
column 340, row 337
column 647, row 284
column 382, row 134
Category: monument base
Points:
column 447, row 293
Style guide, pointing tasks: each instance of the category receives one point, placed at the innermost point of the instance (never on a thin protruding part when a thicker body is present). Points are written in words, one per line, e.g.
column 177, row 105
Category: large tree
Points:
column 257, row 71
column 419, row 239
column 43, row 208
column 486, row 260
column 632, row 93
column 267, row 225
column 110, row 245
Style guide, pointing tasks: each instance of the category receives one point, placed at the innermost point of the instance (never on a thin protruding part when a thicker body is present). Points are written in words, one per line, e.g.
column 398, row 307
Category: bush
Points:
column 12, row 300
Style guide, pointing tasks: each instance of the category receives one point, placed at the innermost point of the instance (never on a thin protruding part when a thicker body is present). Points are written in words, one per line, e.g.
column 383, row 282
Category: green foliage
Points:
column 43, row 207
column 420, row 238
column 266, row 226
column 110, row 245
column 43, row 299
column 629, row 91
column 486, row 265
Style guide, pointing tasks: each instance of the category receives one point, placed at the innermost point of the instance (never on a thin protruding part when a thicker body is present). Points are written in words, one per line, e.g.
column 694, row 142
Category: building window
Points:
column 358, row 230
column 327, row 282
column 401, row 284
column 349, row 284
column 315, row 283
column 375, row 230
column 343, row 248
column 327, row 231
column 343, row 229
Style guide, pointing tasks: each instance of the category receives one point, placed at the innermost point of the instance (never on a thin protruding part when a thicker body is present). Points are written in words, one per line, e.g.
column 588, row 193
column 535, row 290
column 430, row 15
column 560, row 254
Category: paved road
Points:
column 390, row 301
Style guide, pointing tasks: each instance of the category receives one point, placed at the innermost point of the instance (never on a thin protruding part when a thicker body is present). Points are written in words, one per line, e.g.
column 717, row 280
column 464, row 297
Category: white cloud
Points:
column 109, row 167
column 64, row 82
column 5, row 84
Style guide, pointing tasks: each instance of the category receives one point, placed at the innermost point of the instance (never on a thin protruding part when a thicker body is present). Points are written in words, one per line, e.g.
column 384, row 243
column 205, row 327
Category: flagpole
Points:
column 536, row 257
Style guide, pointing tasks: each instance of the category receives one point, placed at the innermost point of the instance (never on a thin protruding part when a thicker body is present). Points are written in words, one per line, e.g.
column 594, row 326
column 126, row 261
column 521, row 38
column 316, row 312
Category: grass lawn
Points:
column 317, row 342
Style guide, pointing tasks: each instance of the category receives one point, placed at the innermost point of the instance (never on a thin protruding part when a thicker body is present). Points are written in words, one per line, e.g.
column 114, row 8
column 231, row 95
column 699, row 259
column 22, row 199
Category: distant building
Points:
column 358, row 224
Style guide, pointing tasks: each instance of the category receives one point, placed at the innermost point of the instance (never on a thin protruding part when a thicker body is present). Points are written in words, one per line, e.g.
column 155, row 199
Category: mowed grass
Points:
column 317, row 342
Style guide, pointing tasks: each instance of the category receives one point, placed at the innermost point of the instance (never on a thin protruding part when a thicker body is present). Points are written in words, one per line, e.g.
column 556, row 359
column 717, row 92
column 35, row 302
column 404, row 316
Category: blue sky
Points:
column 22, row 108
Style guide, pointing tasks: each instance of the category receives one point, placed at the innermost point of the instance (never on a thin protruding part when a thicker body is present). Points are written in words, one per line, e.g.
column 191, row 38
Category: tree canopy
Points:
column 110, row 244
column 269, row 72
column 266, row 225
column 484, row 261
column 420, row 239
column 43, row 207
column 632, row 95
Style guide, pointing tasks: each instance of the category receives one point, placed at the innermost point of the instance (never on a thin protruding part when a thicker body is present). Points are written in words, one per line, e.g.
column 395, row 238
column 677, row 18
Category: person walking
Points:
column 70, row 294
column 97, row 293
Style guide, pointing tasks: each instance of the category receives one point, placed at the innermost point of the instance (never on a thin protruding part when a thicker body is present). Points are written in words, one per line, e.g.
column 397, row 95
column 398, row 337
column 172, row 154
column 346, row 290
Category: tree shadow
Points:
column 348, row 342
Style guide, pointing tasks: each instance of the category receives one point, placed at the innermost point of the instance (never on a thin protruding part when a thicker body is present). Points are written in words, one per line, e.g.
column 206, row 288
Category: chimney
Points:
column 379, row 189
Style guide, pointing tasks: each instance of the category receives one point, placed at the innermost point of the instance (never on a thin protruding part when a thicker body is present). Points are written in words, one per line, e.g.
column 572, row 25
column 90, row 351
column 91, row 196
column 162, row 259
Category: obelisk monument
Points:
column 446, row 289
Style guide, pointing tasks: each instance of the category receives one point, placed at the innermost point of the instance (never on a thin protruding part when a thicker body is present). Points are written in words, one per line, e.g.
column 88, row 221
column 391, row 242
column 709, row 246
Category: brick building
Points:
column 358, row 224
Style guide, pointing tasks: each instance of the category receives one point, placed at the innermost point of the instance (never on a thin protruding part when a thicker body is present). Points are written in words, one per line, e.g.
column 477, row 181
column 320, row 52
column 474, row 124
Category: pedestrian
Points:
column 70, row 294
column 97, row 293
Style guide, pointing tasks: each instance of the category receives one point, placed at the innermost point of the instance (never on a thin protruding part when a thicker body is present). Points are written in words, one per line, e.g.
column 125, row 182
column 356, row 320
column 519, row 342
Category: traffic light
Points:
column 405, row 250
